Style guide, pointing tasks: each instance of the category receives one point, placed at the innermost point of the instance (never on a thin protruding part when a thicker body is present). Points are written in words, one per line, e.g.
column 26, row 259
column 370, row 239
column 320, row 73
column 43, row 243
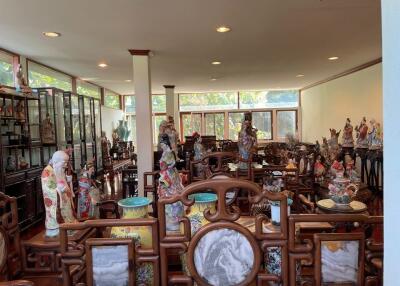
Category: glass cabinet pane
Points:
column 59, row 107
column 88, row 120
column 75, row 119
column 48, row 114
column 34, row 120
column 235, row 123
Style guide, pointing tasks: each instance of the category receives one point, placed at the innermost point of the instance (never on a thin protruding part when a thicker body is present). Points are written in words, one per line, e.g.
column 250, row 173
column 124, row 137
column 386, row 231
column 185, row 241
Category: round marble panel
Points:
column 223, row 257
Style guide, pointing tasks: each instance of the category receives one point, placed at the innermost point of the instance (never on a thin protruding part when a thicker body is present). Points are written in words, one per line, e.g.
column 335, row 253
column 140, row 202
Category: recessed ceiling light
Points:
column 128, row 80
column 223, row 29
column 216, row 63
column 333, row 58
column 213, row 79
column 51, row 34
column 102, row 65
column 300, row 75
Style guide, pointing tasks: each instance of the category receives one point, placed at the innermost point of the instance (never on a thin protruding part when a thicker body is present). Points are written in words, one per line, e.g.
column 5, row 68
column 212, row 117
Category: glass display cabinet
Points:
column 21, row 154
column 97, row 127
column 52, row 121
column 73, row 130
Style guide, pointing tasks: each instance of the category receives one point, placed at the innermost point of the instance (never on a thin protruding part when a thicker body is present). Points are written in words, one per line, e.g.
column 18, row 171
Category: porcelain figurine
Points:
column 333, row 142
column 362, row 134
column 23, row 164
column 170, row 184
column 347, row 137
column 11, row 164
column 337, row 168
column 342, row 191
column 319, row 170
column 48, row 134
column 247, row 141
column 161, row 130
column 20, row 111
column 89, row 195
column 173, row 135
column 137, row 207
column 375, row 135
column 199, row 152
column 22, row 85
column 57, row 193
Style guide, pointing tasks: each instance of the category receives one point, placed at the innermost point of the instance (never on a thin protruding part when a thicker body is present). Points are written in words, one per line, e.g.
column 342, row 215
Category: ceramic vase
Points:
column 202, row 201
column 137, row 207
column 121, row 130
column 276, row 211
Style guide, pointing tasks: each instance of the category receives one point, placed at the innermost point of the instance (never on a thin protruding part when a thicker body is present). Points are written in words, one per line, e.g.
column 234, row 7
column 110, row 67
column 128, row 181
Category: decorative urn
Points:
column 342, row 191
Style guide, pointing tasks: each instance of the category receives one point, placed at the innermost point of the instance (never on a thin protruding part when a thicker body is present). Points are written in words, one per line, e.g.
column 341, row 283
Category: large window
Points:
column 41, row 76
column 88, row 89
column 274, row 113
column 6, row 69
column 208, row 101
column 111, row 99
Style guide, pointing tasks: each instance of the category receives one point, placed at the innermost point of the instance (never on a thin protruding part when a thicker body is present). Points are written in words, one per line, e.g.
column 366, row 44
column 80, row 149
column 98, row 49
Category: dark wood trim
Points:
column 347, row 72
column 139, row 52
column 74, row 85
column 169, row 86
column 102, row 93
column 9, row 52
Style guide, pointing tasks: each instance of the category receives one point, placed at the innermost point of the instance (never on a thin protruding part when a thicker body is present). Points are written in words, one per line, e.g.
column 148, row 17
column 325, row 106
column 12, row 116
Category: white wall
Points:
column 110, row 119
column 391, row 104
column 328, row 105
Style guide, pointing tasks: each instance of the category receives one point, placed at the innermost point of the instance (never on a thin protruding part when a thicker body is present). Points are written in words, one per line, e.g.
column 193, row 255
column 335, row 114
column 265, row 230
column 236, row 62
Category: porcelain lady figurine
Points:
column 48, row 134
column 347, row 137
column 199, row 152
column 57, row 193
column 173, row 135
column 375, row 136
column 170, row 184
column 319, row 170
column 247, row 139
column 89, row 195
column 362, row 134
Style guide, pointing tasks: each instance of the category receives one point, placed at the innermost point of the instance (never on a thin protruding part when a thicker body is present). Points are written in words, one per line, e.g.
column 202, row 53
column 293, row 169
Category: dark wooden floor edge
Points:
column 347, row 72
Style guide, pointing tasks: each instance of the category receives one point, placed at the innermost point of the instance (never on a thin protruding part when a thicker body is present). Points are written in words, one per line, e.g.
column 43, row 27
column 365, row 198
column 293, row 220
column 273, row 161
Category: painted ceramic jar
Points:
column 202, row 201
column 276, row 211
column 136, row 207
column 342, row 191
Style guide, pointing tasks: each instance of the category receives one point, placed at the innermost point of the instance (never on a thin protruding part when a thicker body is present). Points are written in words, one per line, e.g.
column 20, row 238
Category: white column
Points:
column 144, row 131
column 391, row 153
column 172, row 104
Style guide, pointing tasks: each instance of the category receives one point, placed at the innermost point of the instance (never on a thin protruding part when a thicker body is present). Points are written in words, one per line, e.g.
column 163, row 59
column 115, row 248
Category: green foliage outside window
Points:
column 208, row 101
column 6, row 74
column 268, row 99
column 85, row 88
column 235, row 124
column 112, row 101
column 158, row 103
column 37, row 79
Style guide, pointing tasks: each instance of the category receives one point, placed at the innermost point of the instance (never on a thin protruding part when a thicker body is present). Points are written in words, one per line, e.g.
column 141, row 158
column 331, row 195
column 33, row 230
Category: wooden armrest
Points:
column 306, row 202
column 374, row 246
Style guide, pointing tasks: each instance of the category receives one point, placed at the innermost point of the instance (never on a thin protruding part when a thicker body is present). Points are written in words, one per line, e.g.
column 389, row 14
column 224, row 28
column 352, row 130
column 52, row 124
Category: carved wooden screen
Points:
column 226, row 231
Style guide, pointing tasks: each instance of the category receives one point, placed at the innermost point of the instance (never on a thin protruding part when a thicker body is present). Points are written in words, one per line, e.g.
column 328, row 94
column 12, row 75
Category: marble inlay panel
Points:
column 223, row 257
column 110, row 265
column 339, row 261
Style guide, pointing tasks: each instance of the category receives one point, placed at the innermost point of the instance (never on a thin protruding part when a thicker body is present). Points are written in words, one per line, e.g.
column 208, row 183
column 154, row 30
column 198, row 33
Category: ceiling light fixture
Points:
column 213, row 79
column 102, row 65
column 333, row 58
column 51, row 34
column 223, row 29
column 128, row 80
column 300, row 75
column 216, row 63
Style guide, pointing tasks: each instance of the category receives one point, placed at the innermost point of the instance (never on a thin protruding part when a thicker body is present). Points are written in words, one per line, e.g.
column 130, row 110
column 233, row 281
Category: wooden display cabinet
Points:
column 21, row 154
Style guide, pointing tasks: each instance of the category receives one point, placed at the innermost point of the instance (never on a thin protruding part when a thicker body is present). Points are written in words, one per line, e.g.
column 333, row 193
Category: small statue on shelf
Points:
column 57, row 193
column 334, row 140
column 22, row 85
column 170, row 184
column 20, row 111
column 347, row 137
column 48, row 134
column 247, row 141
column 319, row 169
column 11, row 164
column 23, row 164
column 362, row 134
column 89, row 195
column 375, row 136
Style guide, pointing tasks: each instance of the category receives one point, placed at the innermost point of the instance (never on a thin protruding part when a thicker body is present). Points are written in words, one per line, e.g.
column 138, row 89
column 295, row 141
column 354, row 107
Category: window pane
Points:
column 262, row 121
column 286, row 123
column 156, row 124
column 111, row 99
column 215, row 123
column 208, row 101
column 86, row 88
column 40, row 76
column 6, row 69
column 268, row 99
column 235, row 123
column 190, row 123
column 132, row 127
column 130, row 104
column 159, row 103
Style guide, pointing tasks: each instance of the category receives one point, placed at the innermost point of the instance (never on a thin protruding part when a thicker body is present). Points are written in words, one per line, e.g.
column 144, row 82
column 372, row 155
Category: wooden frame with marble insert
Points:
column 302, row 249
column 225, row 217
column 73, row 254
column 320, row 238
column 108, row 242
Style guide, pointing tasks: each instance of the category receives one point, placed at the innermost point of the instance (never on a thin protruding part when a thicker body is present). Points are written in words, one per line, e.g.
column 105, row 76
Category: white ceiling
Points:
column 270, row 43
